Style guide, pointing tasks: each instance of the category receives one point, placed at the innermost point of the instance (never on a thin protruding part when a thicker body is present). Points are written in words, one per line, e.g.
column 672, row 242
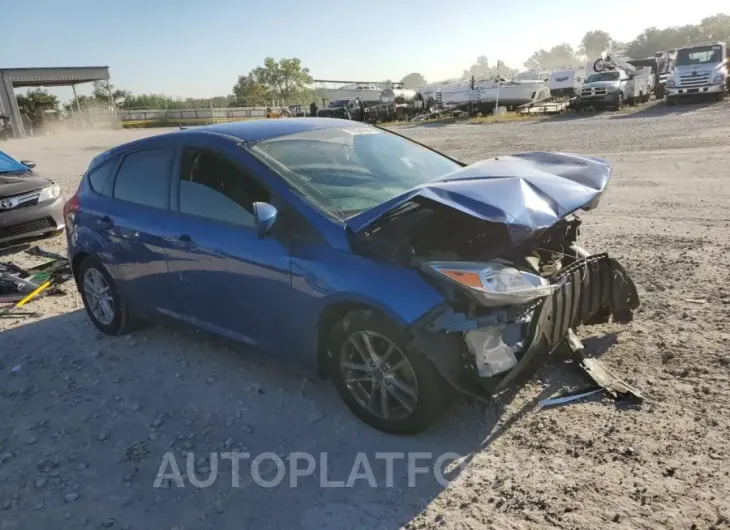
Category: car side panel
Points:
column 322, row 276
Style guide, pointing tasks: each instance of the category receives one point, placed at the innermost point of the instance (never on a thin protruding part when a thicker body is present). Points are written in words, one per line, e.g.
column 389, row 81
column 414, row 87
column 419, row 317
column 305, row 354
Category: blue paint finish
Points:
column 268, row 291
column 323, row 276
column 228, row 279
column 255, row 130
column 272, row 291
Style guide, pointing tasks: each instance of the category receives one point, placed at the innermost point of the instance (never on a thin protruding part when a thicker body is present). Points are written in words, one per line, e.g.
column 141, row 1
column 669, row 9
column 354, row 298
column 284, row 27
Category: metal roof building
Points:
column 12, row 78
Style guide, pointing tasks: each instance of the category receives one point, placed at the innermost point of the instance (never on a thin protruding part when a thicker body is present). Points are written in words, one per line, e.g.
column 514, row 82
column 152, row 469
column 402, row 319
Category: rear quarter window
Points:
column 99, row 177
column 144, row 177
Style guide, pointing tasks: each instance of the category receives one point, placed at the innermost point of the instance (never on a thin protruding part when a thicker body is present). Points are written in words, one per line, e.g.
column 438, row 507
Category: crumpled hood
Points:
column 527, row 192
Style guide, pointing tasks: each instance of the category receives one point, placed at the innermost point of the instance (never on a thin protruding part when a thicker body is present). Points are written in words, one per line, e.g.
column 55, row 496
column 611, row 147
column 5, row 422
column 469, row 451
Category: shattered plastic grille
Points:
column 585, row 288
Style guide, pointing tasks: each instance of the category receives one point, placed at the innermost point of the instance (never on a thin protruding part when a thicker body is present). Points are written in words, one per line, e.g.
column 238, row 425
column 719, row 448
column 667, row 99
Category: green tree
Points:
column 101, row 94
column 84, row 101
column 250, row 93
column 479, row 70
column 153, row 101
column 482, row 70
column 36, row 98
column 413, row 81
column 594, row 43
column 286, row 79
column 652, row 40
column 562, row 55
column 716, row 27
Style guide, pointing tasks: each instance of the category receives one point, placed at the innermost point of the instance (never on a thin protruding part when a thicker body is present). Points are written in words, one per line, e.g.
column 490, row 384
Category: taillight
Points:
column 69, row 212
column 72, row 205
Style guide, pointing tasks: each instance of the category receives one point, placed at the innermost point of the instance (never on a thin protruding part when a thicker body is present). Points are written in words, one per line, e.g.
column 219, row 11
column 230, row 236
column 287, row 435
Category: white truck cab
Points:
column 699, row 69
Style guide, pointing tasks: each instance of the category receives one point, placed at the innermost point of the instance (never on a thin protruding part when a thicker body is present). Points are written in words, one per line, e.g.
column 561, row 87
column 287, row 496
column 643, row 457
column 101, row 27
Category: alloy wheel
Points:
column 98, row 296
column 378, row 375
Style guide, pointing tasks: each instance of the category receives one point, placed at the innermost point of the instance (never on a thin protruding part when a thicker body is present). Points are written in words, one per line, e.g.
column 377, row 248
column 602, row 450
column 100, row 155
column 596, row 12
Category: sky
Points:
column 194, row 48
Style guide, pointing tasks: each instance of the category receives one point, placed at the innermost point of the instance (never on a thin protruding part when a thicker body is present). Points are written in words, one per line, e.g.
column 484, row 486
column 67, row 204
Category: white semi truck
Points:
column 699, row 69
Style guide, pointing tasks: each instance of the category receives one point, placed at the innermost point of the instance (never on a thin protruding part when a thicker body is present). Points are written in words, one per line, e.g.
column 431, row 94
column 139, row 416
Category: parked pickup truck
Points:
column 612, row 88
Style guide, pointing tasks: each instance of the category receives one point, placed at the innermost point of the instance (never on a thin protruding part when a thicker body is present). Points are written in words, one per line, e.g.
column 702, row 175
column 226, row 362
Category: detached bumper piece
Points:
column 590, row 291
column 20, row 286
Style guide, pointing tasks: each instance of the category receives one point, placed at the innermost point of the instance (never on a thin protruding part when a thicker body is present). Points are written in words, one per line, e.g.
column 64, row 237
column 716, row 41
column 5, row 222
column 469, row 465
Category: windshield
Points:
column 700, row 55
column 603, row 76
column 9, row 165
column 346, row 170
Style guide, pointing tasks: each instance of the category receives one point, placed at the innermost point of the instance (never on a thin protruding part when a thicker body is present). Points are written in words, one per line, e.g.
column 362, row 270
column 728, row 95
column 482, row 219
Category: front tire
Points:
column 670, row 101
column 620, row 101
column 382, row 381
column 106, row 310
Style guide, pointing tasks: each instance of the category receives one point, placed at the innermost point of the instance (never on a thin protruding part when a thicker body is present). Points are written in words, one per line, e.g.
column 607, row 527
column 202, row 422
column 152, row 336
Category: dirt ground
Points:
column 86, row 419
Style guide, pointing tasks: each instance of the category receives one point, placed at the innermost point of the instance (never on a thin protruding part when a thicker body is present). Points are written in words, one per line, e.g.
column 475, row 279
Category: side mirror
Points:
column 28, row 163
column 264, row 217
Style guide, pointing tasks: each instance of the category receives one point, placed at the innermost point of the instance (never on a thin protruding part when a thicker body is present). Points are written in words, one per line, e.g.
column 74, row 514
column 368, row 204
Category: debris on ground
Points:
column 20, row 286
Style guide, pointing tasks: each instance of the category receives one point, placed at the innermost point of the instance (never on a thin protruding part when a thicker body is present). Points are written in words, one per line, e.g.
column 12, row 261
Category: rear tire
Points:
column 118, row 320
column 357, row 382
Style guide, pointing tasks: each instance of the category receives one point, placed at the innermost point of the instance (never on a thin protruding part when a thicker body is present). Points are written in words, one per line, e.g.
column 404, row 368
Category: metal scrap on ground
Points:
column 19, row 286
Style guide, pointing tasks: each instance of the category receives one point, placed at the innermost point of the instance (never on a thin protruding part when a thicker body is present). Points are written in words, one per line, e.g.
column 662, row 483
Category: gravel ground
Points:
column 87, row 419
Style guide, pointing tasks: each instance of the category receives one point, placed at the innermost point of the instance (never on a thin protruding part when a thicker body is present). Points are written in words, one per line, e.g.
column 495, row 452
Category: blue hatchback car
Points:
column 397, row 271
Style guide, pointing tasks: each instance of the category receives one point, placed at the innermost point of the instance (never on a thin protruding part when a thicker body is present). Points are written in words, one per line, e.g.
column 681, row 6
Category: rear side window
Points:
column 99, row 177
column 144, row 177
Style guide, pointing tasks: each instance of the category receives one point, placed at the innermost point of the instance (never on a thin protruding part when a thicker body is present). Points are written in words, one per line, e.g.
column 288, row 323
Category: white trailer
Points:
column 566, row 82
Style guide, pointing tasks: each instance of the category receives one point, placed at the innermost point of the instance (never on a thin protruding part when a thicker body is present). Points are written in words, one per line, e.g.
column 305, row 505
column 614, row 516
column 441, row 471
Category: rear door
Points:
column 133, row 224
column 227, row 280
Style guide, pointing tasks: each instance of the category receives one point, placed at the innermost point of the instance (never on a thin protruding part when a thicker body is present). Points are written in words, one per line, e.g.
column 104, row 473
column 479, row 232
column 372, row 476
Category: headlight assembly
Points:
column 495, row 284
column 719, row 79
column 671, row 83
column 49, row 192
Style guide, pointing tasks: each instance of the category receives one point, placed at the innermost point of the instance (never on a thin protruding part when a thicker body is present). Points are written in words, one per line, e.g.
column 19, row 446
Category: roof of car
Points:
column 247, row 131
column 252, row 130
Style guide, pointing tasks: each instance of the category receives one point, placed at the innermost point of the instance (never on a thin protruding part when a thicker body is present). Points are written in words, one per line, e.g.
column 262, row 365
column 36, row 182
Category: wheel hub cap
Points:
column 378, row 375
column 98, row 296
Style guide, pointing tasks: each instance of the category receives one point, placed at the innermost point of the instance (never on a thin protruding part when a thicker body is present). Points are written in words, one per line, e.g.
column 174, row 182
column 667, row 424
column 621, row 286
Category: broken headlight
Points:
column 495, row 284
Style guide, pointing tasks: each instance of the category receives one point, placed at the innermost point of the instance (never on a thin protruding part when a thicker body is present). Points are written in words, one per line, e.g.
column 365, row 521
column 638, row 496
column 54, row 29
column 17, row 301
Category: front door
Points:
column 228, row 280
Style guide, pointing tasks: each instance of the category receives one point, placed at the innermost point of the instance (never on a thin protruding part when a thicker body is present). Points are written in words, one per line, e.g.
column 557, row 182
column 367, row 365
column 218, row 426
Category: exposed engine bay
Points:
column 427, row 230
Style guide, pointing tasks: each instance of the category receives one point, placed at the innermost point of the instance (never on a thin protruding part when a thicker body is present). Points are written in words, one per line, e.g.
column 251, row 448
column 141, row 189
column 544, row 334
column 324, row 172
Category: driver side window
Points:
column 214, row 188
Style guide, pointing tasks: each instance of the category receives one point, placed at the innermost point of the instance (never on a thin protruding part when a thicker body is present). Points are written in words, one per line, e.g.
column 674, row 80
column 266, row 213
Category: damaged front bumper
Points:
column 593, row 290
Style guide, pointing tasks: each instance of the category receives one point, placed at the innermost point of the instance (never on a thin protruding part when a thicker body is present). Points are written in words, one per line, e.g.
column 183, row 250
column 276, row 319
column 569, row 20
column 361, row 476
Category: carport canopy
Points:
column 12, row 78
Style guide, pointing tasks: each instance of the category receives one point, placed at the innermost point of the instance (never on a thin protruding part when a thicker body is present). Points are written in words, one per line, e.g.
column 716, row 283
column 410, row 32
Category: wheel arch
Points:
column 332, row 314
column 76, row 262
